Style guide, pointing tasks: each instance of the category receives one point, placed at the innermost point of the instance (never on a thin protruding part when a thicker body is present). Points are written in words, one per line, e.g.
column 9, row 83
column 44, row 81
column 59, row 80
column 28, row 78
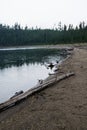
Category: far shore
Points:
column 60, row 46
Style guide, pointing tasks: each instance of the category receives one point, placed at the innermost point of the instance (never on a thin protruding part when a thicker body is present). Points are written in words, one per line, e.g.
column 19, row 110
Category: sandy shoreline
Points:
column 36, row 47
column 62, row 106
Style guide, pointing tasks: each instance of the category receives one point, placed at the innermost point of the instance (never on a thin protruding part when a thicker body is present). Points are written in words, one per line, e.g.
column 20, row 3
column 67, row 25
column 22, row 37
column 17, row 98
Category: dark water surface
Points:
column 21, row 69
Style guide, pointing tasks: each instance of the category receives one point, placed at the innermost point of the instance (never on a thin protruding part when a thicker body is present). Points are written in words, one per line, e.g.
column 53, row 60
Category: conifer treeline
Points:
column 18, row 36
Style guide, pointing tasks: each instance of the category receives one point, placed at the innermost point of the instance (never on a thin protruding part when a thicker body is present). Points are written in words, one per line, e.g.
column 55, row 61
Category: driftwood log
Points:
column 38, row 88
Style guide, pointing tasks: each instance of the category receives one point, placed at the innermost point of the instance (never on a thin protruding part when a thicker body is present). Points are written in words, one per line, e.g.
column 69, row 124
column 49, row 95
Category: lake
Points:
column 20, row 69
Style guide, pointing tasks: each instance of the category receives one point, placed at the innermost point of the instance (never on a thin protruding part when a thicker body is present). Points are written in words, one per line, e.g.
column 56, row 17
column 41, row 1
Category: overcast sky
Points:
column 42, row 13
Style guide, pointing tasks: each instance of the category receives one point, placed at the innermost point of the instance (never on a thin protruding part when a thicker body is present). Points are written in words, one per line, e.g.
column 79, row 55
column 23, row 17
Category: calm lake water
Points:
column 20, row 69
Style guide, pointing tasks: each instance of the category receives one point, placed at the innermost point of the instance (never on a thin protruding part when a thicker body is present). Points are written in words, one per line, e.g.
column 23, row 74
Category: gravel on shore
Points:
column 62, row 106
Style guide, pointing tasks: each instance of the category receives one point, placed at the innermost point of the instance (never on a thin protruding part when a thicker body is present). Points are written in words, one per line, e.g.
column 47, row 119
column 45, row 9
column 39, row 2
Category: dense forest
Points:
column 18, row 36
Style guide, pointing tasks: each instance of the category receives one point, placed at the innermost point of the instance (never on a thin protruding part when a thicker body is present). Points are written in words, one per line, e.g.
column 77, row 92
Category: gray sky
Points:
column 43, row 13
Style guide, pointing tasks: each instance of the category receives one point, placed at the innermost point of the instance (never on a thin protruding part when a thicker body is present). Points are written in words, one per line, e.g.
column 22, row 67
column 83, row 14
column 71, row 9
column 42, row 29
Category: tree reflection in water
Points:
column 17, row 58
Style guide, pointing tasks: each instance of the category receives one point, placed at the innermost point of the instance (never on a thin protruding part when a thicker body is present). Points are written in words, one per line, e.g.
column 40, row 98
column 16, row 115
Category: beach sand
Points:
column 62, row 106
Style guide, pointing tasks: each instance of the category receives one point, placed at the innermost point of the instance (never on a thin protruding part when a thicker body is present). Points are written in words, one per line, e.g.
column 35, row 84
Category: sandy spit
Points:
column 62, row 106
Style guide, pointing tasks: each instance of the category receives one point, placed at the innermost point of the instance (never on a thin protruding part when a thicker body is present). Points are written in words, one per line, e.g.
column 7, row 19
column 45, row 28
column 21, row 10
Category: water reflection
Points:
column 19, row 57
column 21, row 69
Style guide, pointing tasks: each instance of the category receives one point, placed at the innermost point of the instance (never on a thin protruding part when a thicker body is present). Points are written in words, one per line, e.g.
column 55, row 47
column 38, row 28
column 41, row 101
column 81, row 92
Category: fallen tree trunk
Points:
column 45, row 84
